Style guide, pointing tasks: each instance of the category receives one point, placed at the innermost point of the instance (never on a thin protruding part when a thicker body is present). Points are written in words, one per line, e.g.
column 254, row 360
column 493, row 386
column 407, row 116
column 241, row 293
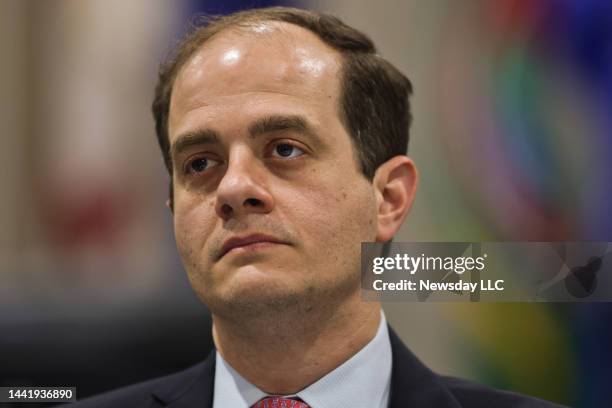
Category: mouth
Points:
column 248, row 243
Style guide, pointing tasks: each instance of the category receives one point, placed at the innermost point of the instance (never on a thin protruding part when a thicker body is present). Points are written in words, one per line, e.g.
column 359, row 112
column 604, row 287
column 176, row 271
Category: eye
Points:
column 200, row 164
column 287, row 151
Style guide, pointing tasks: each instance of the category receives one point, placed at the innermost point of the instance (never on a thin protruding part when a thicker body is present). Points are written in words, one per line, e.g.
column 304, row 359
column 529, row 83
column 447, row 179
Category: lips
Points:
column 237, row 242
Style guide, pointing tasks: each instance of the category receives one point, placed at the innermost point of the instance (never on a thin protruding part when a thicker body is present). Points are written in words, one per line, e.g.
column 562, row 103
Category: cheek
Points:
column 337, row 217
column 193, row 223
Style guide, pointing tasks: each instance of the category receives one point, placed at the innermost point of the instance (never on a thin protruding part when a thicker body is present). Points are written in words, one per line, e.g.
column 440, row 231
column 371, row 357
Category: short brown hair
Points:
column 374, row 101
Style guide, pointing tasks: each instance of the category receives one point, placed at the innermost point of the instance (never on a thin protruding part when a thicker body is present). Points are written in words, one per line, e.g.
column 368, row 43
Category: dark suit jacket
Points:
column 412, row 385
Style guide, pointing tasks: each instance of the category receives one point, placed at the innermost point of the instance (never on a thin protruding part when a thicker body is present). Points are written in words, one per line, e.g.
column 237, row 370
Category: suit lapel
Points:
column 413, row 384
column 192, row 389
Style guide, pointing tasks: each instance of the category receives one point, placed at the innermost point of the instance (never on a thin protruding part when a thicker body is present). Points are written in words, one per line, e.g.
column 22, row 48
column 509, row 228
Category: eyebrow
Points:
column 267, row 124
column 193, row 138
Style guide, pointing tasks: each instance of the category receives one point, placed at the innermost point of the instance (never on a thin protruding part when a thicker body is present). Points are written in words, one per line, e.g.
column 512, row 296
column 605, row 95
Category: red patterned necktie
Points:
column 280, row 402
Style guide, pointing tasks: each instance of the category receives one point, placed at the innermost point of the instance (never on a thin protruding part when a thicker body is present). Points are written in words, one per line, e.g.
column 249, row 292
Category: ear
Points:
column 395, row 183
column 170, row 200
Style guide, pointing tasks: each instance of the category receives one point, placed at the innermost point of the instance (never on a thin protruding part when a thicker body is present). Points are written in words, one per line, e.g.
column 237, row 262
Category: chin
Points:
column 262, row 272
column 253, row 295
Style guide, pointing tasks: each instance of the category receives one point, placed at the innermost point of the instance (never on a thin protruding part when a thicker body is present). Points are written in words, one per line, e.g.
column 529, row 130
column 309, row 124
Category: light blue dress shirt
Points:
column 363, row 381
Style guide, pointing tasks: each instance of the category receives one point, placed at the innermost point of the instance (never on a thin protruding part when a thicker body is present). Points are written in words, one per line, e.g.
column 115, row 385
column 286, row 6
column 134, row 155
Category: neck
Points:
column 283, row 354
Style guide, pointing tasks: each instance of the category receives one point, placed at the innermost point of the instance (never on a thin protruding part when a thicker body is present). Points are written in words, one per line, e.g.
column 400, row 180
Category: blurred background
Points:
column 512, row 136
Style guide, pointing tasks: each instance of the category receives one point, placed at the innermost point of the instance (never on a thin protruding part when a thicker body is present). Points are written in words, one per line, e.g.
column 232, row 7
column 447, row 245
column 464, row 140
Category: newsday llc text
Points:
column 428, row 285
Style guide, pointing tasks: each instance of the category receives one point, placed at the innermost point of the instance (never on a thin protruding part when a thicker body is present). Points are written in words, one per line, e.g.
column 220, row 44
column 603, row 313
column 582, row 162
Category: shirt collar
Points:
column 368, row 370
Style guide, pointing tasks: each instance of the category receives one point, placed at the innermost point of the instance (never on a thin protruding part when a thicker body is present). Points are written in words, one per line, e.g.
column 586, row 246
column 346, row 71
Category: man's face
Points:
column 260, row 154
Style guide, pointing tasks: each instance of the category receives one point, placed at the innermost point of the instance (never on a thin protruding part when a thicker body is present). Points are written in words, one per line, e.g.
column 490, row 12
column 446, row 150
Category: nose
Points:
column 242, row 190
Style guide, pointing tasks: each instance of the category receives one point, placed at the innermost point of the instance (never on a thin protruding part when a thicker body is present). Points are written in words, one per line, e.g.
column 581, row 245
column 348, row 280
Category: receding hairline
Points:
column 245, row 28
column 283, row 32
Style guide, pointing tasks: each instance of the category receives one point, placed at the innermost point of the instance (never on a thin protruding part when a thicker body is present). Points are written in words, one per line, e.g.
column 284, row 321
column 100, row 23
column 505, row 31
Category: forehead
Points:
column 272, row 59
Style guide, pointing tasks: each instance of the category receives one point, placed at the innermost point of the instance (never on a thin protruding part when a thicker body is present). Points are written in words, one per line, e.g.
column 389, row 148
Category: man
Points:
column 285, row 137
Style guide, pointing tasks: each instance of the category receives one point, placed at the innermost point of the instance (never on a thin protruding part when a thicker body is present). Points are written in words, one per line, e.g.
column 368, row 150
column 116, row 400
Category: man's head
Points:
column 282, row 125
